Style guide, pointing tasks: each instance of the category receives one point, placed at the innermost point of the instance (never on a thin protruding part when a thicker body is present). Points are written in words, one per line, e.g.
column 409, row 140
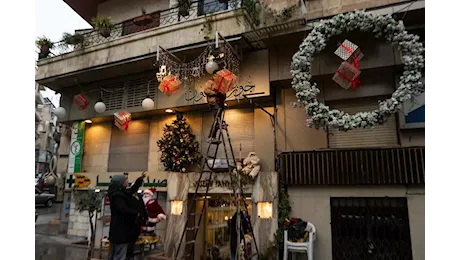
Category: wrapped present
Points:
column 169, row 84
column 80, row 101
column 350, row 52
column 210, row 90
column 122, row 119
column 347, row 75
column 225, row 80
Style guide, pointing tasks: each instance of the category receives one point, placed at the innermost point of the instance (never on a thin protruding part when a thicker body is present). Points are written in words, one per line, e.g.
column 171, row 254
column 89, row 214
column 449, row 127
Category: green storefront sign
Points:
column 76, row 147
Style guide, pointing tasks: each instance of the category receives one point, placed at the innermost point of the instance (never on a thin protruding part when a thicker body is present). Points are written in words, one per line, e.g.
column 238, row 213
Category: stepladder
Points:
column 218, row 138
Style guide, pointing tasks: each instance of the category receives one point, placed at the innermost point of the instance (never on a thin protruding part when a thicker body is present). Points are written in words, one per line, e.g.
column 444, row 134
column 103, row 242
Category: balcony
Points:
column 358, row 166
column 129, row 43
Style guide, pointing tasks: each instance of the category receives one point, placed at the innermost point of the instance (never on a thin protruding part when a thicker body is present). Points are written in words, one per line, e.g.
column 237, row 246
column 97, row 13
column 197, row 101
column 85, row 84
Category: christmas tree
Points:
column 178, row 146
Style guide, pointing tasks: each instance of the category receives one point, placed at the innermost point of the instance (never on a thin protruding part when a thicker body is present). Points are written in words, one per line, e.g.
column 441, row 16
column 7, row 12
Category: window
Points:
column 370, row 228
column 211, row 6
column 129, row 150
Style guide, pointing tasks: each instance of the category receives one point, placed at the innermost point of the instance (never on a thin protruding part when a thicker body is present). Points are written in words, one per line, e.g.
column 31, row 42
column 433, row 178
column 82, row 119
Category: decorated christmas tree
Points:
column 178, row 147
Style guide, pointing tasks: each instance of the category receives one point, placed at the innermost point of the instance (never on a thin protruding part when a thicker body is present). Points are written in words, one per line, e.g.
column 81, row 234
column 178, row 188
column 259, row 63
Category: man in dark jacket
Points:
column 124, row 215
column 139, row 205
column 234, row 243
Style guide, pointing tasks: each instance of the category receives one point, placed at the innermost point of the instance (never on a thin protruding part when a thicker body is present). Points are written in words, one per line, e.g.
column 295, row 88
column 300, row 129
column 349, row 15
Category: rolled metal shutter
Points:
column 381, row 136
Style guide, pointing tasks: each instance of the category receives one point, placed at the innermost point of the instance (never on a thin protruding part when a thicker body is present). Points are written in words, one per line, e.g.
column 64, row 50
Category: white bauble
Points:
column 50, row 180
column 60, row 112
column 211, row 66
column 147, row 104
column 99, row 107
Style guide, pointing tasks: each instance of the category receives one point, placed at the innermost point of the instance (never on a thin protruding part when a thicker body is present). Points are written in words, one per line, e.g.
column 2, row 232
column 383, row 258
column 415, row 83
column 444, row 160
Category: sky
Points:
column 52, row 20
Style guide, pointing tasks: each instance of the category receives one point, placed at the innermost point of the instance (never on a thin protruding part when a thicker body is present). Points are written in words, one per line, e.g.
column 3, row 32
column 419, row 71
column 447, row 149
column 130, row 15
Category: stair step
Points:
column 193, row 228
column 190, row 242
column 196, row 213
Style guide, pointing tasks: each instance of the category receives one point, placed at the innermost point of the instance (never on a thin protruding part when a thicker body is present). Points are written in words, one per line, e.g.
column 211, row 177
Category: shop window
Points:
column 265, row 210
column 370, row 228
column 177, row 207
column 129, row 150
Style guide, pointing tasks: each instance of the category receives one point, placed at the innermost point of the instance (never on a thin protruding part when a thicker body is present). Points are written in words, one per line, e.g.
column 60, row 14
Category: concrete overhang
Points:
column 134, row 51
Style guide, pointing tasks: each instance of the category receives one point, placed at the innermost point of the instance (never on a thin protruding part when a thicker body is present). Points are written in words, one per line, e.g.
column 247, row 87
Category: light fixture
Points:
column 225, row 104
column 206, row 197
column 97, row 190
column 176, row 207
column 100, row 106
column 265, row 210
column 60, row 112
column 169, row 110
column 211, row 66
column 88, row 121
column 147, row 103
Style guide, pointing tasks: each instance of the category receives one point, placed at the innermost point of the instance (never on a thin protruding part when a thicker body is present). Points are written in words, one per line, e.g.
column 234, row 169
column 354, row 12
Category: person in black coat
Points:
column 234, row 243
column 139, row 204
column 124, row 215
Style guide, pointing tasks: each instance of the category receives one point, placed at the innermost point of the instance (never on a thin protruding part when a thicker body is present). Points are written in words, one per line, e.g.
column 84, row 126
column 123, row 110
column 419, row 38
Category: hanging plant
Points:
column 144, row 19
column 103, row 25
column 178, row 146
column 184, row 7
column 72, row 39
column 45, row 45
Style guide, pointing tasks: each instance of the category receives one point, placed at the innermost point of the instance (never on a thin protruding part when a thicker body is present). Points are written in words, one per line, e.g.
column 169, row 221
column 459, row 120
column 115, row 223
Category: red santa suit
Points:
column 155, row 212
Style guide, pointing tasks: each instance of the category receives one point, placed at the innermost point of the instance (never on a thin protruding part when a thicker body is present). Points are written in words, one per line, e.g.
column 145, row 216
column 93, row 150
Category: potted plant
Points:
column 45, row 45
column 72, row 39
column 103, row 25
column 184, row 7
column 144, row 19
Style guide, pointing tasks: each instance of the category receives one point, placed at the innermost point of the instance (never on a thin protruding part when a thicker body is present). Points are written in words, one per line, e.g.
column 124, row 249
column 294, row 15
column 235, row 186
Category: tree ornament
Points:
column 169, row 84
column 147, row 104
column 122, row 119
column 211, row 66
column 60, row 112
column 410, row 84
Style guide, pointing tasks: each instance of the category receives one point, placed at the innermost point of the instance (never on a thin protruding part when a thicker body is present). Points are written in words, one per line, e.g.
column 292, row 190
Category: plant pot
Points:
column 76, row 39
column 143, row 20
column 104, row 31
column 184, row 9
column 45, row 50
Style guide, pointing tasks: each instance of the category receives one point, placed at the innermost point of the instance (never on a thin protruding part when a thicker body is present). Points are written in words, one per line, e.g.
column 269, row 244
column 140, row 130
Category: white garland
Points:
column 412, row 53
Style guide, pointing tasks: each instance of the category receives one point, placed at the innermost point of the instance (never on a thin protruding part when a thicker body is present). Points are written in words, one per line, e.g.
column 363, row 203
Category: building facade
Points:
column 350, row 185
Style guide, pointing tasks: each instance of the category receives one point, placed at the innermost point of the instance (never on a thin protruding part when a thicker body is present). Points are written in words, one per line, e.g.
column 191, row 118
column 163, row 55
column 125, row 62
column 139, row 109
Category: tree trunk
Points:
column 91, row 240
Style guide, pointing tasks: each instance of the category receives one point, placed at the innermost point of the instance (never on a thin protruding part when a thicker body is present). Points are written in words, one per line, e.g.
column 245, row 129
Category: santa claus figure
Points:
column 155, row 212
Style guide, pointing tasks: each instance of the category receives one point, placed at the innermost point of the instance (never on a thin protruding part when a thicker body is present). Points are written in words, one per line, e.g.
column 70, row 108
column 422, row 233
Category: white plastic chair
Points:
column 295, row 247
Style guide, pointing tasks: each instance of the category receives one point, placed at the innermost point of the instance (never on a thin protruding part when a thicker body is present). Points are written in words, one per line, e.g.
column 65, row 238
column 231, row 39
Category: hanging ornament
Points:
column 122, row 119
column 161, row 73
column 211, row 66
column 225, row 80
column 347, row 75
column 169, row 84
column 80, row 101
column 60, row 112
column 147, row 103
column 100, row 106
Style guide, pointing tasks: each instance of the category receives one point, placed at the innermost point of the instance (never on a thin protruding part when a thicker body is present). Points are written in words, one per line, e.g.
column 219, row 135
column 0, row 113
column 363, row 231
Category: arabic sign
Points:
column 220, row 183
column 237, row 92
column 156, row 180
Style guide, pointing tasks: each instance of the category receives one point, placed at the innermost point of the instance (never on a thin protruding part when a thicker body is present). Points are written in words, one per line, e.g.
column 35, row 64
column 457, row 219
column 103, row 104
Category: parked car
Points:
column 44, row 197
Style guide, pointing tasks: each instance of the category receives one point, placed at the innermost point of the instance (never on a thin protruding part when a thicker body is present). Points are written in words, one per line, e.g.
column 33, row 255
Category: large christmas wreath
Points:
column 412, row 53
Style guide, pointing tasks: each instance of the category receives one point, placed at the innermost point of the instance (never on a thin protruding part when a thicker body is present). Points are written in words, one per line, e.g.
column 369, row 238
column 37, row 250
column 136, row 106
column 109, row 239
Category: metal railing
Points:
column 360, row 166
column 160, row 19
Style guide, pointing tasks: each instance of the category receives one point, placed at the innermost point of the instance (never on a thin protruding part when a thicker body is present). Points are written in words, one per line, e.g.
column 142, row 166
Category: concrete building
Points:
column 350, row 185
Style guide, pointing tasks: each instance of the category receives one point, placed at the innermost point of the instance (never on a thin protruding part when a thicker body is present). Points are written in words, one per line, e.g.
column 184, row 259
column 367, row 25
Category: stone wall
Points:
column 78, row 222
column 96, row 147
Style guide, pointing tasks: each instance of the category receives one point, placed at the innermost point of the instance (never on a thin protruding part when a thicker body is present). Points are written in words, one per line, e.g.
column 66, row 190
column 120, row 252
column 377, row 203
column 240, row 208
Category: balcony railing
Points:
column 198, row 9
column 354, row 166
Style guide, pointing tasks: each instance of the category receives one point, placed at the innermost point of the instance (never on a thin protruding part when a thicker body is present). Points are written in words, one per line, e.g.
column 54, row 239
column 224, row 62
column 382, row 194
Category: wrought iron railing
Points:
column 354, row 166
column 160, row 19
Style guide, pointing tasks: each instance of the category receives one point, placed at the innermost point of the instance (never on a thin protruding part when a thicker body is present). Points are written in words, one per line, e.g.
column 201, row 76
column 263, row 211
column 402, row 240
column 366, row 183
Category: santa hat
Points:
column 150, row 191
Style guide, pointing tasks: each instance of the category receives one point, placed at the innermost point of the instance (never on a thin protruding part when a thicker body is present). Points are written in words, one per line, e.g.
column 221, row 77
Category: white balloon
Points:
column 99, row 107
column 147, row 104
column 60, row 112
column 211, row 66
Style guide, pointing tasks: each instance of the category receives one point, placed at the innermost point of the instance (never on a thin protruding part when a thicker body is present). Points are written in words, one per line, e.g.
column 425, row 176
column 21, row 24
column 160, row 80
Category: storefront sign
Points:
column 101, row 180
column 413, row 113
column 76, row 147
column 220, row 182
column 193, row 94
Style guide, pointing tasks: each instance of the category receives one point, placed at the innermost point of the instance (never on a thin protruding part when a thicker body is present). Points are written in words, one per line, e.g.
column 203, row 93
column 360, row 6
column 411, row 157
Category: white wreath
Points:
column 412, row 53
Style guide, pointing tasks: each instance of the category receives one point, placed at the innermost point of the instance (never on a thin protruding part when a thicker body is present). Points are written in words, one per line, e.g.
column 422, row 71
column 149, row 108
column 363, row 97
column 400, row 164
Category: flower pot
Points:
column 45, row 50
column 184, row 9
column 104, row 31
column 143, row 20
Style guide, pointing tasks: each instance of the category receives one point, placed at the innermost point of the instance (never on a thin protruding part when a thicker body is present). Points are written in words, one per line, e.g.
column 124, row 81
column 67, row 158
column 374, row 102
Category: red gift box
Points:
column 80, row 101
column 225, row 80
column 122, row 119
column 169, row 84
column 347, row 75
